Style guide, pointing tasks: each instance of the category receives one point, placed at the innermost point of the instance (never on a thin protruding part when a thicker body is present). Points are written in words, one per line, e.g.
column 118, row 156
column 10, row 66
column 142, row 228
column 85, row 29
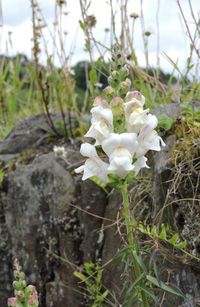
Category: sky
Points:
column 16, row 30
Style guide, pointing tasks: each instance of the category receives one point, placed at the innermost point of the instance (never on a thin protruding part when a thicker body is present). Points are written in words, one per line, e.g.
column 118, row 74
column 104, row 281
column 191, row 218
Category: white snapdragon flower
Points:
column 93, row 166
column 134, row 113
column 148, row 138
column 102, row 121
column 120, row 149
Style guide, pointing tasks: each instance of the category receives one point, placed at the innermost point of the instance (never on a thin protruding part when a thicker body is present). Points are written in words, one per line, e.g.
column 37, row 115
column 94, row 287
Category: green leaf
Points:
column 82, row 25
column 173, row 239
column 165, row 122
column 164, row 287
column 83, row 278
column 163, row 234
column 139, row 261
column 104, row 294
column 181, row 245
column 135, row 283
column 149, row 293
column 98, row 182
column 154, row 232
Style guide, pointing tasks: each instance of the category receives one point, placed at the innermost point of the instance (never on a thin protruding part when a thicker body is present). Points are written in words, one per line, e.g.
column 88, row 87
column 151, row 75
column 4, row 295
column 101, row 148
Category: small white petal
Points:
column 136, row 119
column 102, row 113
column 150, row 124
column 135, row 97
column 123, row 140
column 93, row 166
column 99, row 130
column 80, row 169
column 150, row 141
column 88, row 150
column 140, row 163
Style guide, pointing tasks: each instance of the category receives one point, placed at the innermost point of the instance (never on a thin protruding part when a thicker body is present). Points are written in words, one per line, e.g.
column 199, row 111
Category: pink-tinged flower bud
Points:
column 117, row 106
column 12, row 302
column 100, row 101
column 135, row 96
column 108, row 90
column 19, row 294
column 33, row 299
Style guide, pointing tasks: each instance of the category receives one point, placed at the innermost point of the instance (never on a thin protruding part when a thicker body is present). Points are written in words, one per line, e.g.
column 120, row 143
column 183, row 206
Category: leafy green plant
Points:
column 91, row 277
column 164, row 235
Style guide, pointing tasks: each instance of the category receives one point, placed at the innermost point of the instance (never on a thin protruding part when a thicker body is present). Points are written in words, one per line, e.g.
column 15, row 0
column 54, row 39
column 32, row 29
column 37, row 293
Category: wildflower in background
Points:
column 134, row 15
column 149, row 31
column 12, row 301
column 59, row 151
column 24, row 295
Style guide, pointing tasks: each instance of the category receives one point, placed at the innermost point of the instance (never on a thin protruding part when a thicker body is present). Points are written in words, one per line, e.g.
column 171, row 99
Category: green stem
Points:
column 130, row 222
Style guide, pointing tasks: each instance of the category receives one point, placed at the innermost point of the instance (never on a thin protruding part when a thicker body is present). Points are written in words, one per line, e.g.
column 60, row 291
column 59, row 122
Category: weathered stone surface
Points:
column 45, row 232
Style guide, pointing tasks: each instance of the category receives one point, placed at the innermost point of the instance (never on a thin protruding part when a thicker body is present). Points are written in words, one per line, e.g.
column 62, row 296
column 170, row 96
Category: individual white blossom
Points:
column 148, row 138
column 134, row 113
column 93, row 166
column 120, row 149
column 102, row 121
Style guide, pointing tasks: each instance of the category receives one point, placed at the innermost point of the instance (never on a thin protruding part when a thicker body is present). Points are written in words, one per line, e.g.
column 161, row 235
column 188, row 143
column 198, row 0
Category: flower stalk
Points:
column 131, row 225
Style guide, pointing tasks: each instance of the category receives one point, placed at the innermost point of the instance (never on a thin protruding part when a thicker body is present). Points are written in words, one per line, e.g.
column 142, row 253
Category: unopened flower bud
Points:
column 115, row 75
column 117, row 106
column 21, row 275
column 12, row 302
column 124, row 71
column 23, row 283
column 125, row 85
column 33, row 300
column 137, row 96
column 19, row 294
column 108, row 91
column 100, row 101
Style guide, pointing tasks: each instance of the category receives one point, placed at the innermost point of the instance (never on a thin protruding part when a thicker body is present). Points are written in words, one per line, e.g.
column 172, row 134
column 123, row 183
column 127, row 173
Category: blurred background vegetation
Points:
column 28, row 87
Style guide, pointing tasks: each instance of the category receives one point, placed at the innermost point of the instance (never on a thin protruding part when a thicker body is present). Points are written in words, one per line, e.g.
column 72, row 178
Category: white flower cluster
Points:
column 125, row 150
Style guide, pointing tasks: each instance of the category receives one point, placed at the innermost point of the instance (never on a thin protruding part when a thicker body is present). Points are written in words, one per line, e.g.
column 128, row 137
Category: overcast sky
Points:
column 173, row 40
